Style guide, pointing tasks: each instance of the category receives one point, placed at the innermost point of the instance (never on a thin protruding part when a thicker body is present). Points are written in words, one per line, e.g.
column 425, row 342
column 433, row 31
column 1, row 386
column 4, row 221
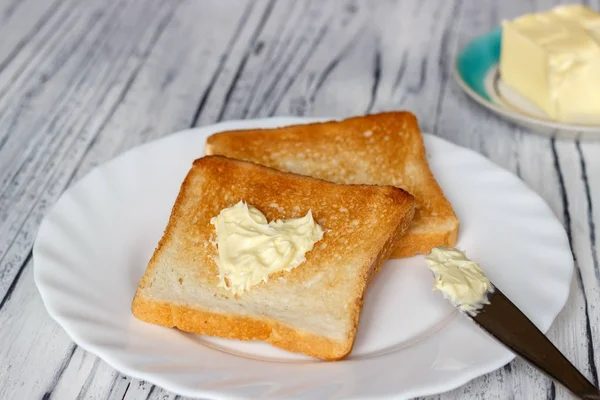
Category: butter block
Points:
column 580, row 14
column 553, row 59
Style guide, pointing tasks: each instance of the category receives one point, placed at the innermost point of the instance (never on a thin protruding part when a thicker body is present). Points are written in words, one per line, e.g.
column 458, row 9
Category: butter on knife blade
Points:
column 460, row 280
column 463, row 282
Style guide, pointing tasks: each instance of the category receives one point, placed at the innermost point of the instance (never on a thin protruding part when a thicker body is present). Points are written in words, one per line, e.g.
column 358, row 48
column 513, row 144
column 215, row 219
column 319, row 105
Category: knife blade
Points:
column 504, row 321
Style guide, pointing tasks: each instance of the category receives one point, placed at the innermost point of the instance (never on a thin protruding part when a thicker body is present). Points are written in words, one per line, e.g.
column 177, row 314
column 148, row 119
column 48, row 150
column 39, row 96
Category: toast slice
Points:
column 313, row 309
column 378, row 149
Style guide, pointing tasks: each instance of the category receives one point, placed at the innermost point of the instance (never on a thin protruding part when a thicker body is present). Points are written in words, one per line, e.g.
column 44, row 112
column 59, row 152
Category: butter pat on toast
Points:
column 378, row 149
column 314, row 308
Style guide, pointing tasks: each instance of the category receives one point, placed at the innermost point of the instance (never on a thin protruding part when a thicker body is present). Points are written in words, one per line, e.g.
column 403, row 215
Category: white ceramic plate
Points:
column 476, row 71
column 93, row 247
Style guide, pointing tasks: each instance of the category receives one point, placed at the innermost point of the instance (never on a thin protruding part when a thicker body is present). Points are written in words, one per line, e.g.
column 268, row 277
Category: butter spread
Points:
column 251, row 249
column 553, row 59
column 459, row 279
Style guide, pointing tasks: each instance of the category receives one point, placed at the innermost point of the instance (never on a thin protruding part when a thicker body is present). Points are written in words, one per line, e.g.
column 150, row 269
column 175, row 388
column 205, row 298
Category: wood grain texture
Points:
column 82, row 81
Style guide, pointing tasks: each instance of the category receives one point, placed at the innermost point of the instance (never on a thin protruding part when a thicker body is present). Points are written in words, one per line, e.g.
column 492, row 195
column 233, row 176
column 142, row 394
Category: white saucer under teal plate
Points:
column 476, row 71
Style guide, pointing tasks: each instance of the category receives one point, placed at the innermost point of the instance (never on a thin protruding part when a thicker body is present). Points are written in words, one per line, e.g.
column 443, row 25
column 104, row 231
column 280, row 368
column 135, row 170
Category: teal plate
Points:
column 476, row 71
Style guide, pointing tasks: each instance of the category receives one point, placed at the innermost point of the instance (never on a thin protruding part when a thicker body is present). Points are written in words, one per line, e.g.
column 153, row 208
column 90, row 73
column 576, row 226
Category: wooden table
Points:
column 83, row 80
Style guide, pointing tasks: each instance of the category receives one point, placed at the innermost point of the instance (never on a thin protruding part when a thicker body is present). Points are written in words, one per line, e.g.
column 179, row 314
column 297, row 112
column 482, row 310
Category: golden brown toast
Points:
column 313, row 309
column 379, row 149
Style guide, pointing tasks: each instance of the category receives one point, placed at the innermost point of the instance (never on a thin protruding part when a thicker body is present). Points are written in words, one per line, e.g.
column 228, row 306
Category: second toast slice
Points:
column 378, row 149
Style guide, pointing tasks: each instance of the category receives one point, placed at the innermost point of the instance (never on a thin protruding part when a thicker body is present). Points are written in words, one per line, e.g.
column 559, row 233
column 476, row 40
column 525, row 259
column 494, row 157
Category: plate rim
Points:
column 460, row 379
column 575, row 131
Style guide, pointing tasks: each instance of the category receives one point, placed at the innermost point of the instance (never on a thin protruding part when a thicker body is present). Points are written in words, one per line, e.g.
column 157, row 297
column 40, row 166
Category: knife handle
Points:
column 503, row 320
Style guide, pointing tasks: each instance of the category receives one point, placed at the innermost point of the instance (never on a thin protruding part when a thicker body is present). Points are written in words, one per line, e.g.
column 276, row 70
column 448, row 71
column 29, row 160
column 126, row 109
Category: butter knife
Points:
column 504, row 321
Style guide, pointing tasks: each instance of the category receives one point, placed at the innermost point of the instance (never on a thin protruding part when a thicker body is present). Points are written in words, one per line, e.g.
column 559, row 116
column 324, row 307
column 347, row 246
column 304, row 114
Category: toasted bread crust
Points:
column 210, row 170
column 421, row 242
column 382, row 149
column 238, row 327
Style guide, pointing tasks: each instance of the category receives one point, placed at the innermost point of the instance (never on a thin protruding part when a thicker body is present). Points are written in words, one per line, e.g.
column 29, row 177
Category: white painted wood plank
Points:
column 574, row 168
column 345, row 33
column 39, row 59
column 152, row 108
column 19, row 22
column 240, row 69
column 38, row 347
column 72, row 92
column 79, row 376
column 140, row 390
